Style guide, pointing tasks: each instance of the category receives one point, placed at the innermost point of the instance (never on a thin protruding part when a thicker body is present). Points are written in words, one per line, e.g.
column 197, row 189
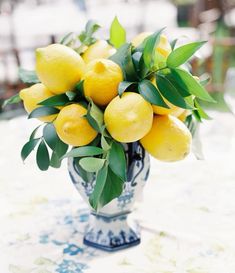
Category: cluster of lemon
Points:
column 128, row 118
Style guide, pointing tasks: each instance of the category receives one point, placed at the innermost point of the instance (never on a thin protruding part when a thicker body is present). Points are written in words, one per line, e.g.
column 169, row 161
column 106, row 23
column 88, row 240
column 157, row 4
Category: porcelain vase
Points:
column 110, row 229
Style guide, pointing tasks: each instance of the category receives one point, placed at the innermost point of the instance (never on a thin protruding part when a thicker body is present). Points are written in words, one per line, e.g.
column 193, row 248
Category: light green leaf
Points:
column 200, row 111
column 117, row 33
column 28, row 148
column 57, row 100
column 67, row 39
column 150, row 49
column 12, row 100
column 42, row 157
column 168, row 91
column 95, row 116
column 117, row 160
column 187, row 81
column 104, row 144
column 91, row 164
column 43, row 111
column 84, row 151
column 28, row 76
column 151, row 93
column 181, row 54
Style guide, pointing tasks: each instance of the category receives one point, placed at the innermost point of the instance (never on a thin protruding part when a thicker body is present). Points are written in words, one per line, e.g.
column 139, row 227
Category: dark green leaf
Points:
column 150, row 49
column 84, row 151
column 187, row 81
column 57, row 100
column 117, row 33
column 180, row 88
column 28, row 76
column 28, row 148
column 117, row 160
column 200, row 111
column 91, row 164
column 99, row 187
column 151, row 93
column 123, row 86
column 124, row 59
column 95, row 116
column 43, row 160
column 168, row 91
column 50, row 135
column 32, row 136
column 43, row 111
column 59, row 151
column 181, row 54
column 173, row 44
column 112, row 189
column 79, row 89
column 14, row 99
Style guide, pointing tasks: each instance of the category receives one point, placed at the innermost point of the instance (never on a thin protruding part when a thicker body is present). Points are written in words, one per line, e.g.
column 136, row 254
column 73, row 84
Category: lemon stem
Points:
column 99, row 67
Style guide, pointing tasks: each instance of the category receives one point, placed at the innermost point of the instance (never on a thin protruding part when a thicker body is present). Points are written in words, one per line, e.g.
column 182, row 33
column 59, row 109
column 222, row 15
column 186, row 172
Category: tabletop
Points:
column 187, row 215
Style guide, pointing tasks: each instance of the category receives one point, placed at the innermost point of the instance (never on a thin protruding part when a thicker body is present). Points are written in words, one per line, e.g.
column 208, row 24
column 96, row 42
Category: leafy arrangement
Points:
column 160, row 81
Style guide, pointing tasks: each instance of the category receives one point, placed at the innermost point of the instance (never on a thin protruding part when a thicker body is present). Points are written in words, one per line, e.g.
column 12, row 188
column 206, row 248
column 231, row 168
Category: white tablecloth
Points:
column 187, row 215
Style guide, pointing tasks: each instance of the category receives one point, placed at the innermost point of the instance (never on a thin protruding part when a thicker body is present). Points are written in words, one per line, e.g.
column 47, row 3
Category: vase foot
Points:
column 111, row 233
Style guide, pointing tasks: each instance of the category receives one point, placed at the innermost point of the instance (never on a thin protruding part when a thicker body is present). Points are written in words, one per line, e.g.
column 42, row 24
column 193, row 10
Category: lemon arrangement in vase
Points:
column 105, row 105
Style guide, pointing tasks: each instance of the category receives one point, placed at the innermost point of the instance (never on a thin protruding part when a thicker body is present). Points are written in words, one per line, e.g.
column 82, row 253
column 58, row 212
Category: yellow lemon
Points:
column 184, row 115
column 101, row 81
column 128, row 118
column 163, row 49
column 59, row 67
column 33, row 95
column 72, row 127
column 168, row 140
column 100, row 49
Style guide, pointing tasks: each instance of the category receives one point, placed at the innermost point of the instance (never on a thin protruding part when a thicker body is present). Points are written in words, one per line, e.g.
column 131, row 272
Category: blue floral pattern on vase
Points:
column 109, row 229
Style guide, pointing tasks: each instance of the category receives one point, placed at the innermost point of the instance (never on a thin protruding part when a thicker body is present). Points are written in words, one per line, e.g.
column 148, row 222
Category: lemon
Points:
column 128, row 118
column 59, row 67
column 101, row 81
column 168, row 140
column 163, row 49
column 100, row 49
column 33, row 95
column 72, row 127
column 172, row 110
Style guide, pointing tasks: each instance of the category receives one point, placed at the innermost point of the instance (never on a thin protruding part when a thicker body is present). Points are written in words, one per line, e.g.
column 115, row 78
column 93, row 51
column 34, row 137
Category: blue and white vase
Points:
column 109, row 229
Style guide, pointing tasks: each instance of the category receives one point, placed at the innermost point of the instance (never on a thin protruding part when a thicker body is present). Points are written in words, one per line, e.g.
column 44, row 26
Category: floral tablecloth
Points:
column 187, row 214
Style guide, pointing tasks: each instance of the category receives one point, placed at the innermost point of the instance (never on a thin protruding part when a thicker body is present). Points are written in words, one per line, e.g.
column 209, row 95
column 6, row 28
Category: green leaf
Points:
column 187, row 81
column 95, row 116
column 91, row 164
column 151, row 93
column 200, row 111
column 28, row 148
column 174, row 81
column 71, row 95
column 84, row 151
column 123, row 86
column 117, row 160
column 168, row 91
column 124, row 59
column 173, row 44
column 150, row 49
column 190, row 101
column 181, row 54
column 86, row 37
column 43, row 111
column 117, row 33
column 205, row 81
column 50, row 135
column 58, row 153
column 99, row 186
column 86, row 176
column 67, row 39
column 104, row 144
column 12, row 100
column 57, row 100
column 43, row 160
column 28, row 76
column 79, row 89
column 32, row 136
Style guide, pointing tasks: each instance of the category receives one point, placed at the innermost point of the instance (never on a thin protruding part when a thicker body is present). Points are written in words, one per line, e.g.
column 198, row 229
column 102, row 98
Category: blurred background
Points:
column 28, row 24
